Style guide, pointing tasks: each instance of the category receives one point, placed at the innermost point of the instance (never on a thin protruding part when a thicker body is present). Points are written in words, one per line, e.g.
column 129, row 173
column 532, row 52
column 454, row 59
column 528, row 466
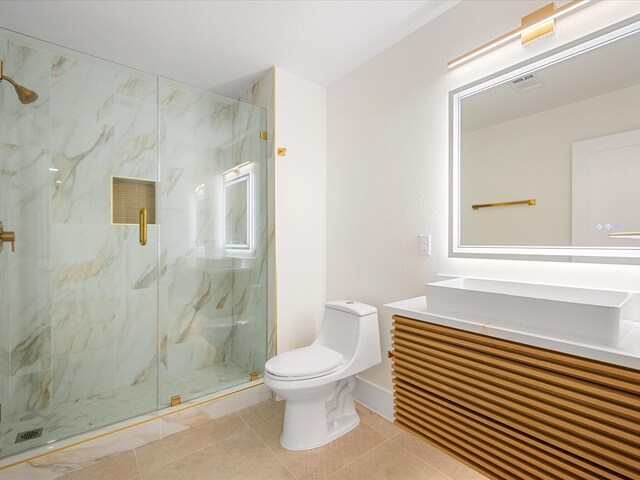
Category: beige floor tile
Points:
column 240, row 456
column 319, row 462
column 438, row 459
column 122, row 466
column 388, row 461
column 262, row 412
column 188, row 441
column 380, row 424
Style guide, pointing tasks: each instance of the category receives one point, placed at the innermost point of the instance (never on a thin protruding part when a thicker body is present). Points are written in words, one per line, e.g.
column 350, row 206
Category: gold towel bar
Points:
column 531, row 201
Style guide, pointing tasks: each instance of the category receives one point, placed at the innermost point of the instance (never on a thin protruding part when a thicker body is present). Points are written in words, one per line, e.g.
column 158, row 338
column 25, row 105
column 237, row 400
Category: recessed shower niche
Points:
column 96, row 325
column 131, row 195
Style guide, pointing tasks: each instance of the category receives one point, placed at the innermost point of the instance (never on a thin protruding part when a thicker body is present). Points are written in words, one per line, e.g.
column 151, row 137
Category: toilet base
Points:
column 345, row 426
column 316, row 416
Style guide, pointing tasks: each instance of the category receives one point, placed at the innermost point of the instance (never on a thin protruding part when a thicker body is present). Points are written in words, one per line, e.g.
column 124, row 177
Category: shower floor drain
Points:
column 28, row 435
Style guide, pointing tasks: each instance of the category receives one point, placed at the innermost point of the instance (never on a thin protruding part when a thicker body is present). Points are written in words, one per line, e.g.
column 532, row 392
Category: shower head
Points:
column 25, row 95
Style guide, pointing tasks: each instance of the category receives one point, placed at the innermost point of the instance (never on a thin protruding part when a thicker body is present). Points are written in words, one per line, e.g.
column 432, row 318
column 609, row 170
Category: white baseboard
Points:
column 374, row 398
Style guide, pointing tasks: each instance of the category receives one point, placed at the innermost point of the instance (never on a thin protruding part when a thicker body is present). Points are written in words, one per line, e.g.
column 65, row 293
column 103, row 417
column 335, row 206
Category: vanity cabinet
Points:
column 515, row 411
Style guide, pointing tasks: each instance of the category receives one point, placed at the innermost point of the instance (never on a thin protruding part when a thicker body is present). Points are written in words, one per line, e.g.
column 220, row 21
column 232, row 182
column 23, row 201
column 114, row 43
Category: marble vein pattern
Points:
column 81, row 150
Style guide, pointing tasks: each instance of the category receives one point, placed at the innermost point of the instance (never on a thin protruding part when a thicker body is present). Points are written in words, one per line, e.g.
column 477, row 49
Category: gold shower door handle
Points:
column 143, row 226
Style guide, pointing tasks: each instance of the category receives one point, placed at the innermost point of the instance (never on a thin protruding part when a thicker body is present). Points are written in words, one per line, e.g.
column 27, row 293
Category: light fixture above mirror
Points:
column 555, row 144
column 532, row 26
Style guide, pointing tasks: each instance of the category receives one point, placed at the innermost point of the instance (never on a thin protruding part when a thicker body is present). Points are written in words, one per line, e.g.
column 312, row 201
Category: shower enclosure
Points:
column 139, row 272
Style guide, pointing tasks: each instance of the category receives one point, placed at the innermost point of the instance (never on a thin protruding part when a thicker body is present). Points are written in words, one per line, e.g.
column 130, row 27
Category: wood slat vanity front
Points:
column 515, row 411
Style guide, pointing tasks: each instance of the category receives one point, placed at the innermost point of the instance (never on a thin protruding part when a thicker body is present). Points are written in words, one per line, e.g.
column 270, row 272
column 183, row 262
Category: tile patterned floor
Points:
column 245, row 446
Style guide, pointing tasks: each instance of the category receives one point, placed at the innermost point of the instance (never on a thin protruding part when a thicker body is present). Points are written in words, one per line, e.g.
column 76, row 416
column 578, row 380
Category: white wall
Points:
column 300, row 127
column 387, row 160
column 533, row 160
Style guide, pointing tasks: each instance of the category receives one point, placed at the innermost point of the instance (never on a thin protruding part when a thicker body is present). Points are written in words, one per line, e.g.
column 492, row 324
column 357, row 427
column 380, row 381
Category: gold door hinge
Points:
column 254, row 376
column 263, row 134
column 282, row 151
column 176, row 400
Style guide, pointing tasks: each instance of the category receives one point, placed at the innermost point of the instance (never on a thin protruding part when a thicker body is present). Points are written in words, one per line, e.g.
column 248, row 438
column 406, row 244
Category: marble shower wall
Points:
column 103, row 124
column 25, row 320
column 78, row 316
column 199, row 314
column 255, row 287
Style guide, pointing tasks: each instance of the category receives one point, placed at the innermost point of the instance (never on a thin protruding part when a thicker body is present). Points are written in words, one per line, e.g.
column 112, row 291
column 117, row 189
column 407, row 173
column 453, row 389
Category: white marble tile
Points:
column 188, row 356
column 82, row 375
column 30, row 392
column 82, row 90
column 81, row 150
column 131, row 86
column 82, row 263
column 75, row 311
column 29, row 316
column 135, row 138
column 136, row 345
column 26, row 124
column 136, row 266
column 4, row 47
column 68, row 341
column 26, row 178
column 5, row 389
column 5, row 343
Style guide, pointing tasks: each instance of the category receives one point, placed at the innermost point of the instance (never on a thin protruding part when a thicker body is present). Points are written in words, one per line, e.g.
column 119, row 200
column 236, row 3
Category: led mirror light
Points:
column 543, row 21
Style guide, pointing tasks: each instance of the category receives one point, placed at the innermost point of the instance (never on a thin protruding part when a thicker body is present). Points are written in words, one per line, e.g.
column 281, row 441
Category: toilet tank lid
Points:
column 349, row 306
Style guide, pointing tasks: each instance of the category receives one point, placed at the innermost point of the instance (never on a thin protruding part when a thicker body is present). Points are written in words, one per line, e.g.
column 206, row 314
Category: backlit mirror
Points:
column 238, row 213
column 545, row 159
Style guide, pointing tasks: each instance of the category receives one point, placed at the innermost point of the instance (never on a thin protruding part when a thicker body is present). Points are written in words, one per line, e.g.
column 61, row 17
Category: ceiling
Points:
column 225, row 46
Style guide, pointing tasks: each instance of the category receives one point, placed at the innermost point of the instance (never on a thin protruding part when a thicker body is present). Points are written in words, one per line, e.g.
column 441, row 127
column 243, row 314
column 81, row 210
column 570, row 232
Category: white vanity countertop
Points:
column 626, row 353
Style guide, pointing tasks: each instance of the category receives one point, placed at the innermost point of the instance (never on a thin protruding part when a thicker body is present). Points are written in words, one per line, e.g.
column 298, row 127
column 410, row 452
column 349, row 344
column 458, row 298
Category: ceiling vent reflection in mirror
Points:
column 528, row 82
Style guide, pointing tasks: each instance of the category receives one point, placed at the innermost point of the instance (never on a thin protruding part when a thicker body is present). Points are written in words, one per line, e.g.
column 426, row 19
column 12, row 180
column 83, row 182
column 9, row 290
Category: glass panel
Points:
column 212, row 291
column 82, row 343
column 78, row 298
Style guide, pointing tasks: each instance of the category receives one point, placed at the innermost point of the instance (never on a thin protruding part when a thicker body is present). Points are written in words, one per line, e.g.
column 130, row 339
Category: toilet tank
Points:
column 351, row 328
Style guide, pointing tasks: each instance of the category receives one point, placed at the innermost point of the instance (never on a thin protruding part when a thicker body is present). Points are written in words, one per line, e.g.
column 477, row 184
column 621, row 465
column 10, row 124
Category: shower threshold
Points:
column 62, row 422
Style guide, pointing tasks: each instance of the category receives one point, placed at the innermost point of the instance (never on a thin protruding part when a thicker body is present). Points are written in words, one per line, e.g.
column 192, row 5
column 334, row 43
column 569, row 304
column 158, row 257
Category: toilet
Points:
column 317, row 382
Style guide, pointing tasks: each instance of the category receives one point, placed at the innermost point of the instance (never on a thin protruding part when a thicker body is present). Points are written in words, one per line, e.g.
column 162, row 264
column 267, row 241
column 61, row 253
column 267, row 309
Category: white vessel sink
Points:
column 578, row 314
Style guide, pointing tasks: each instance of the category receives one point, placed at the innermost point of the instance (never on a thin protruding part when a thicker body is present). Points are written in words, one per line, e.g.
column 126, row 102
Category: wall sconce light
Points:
column 532, row 26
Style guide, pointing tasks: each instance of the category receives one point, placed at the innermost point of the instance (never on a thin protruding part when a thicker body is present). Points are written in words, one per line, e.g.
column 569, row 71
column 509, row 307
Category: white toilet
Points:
column 317, row 381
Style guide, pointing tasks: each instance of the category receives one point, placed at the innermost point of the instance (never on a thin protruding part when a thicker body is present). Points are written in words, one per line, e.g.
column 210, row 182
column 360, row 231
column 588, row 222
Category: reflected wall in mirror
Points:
column 237, row 202
column 563, row 131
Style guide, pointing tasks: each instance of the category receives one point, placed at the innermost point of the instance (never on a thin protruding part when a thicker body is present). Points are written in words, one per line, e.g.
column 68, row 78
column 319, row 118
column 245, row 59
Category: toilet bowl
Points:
column 317, row 382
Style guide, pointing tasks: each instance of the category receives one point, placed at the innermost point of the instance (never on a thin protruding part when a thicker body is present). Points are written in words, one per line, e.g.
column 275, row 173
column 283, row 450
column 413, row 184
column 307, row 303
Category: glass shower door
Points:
column 213, row 311
column 78, row 298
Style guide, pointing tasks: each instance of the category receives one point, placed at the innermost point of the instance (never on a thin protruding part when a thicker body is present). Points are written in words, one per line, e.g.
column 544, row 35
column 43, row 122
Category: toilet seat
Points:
column 303, row 363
